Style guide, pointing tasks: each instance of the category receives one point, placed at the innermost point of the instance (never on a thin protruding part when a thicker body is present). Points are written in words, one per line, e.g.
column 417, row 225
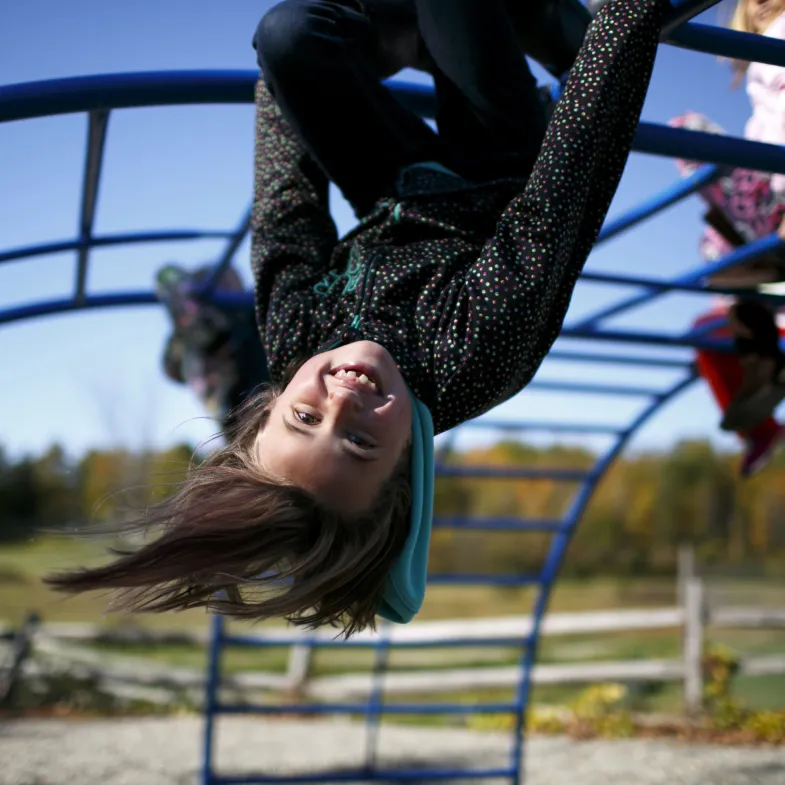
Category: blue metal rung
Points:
column 732, row 44
column 498, row 524
column 560, row 427
column 398, row 709
column 667, row 287
column 469, row 579
column 661, row 201
column 443, row 641
column 617, row 359
column 709, row 148
column 748, row 253
column 364, row 775
column 594, row 389
column 643, row 338
column 751, row 252
column 512, row 473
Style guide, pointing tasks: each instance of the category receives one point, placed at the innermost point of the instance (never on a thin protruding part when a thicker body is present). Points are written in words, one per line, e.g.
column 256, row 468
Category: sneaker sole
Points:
column 745, row 414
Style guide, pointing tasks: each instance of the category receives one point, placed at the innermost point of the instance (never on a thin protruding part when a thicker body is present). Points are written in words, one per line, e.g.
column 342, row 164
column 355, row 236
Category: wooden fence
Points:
column 59, row 646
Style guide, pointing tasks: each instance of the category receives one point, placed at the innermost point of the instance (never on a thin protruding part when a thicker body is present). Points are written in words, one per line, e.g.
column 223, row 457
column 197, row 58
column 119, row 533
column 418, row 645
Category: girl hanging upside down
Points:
column 441, row 304
column 745, row 206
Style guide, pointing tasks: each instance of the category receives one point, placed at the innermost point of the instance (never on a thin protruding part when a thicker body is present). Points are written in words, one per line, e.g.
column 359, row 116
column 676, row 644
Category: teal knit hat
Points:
column 405, row 590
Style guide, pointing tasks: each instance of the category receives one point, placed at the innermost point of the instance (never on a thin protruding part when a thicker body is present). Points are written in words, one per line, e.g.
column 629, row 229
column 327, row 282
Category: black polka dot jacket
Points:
column 466, row 286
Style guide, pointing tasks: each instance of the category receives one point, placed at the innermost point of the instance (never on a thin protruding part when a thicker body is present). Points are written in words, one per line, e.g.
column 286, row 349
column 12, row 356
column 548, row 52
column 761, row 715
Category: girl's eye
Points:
column 358, row 441
column 305, row 418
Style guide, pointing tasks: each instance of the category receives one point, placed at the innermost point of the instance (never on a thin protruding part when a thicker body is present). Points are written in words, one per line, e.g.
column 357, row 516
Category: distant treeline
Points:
column 646, row 506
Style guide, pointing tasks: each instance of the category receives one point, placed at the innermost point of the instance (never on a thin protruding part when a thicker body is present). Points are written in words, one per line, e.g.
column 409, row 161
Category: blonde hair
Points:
column 742, row 22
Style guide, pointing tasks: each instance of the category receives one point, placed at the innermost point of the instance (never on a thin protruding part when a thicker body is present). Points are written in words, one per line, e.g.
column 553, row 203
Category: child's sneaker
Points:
column 759, row 451
column 757, row 399
column 175, row 353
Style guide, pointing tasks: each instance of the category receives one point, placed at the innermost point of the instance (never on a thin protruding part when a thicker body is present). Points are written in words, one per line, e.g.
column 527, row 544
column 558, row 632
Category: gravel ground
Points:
column 167, row 752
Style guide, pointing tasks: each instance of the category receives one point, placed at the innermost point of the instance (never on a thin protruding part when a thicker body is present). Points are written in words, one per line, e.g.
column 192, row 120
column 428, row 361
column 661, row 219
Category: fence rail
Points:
column 500, row 628
column 62, row 646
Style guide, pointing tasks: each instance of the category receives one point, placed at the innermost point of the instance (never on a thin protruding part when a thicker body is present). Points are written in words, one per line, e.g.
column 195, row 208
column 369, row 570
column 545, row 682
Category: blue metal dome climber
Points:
column 98, row 96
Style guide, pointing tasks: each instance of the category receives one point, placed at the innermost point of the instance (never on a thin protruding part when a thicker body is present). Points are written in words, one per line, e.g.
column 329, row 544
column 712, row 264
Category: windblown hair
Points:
column 741, row 20
column 237, row 543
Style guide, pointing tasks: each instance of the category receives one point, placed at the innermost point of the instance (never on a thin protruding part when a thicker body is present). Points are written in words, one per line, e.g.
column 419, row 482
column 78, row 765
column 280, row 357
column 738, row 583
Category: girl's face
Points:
column 762, row 13
column 339, row 427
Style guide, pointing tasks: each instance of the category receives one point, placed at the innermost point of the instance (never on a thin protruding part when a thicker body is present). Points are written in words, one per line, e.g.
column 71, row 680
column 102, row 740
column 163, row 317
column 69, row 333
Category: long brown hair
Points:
column 237, row 543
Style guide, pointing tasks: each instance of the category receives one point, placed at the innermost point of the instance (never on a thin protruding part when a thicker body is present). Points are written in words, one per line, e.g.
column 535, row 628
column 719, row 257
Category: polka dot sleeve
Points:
column 292, row 238
column 514, row 298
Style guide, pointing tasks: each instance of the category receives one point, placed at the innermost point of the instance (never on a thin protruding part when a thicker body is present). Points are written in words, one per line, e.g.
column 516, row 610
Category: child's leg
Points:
column 763, row 386
column 319, row 60
column 725, row 377
column 490, row 115
column 550, row 31
column 722, row 372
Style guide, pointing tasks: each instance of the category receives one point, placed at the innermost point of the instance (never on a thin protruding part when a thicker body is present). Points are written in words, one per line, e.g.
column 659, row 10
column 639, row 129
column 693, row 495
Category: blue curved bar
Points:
column 102, row 241
column 560, row 543
column 28, row 100
column 113, row 91
column 124, row 90
column 72, row 305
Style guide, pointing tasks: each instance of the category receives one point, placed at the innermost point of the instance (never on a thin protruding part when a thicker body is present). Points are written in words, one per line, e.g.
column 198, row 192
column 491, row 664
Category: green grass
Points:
column 23, row 566
column 21, row 589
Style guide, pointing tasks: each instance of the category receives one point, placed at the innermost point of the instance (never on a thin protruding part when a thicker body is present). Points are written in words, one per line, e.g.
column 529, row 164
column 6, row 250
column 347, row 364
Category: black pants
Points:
column 323, row 61
column 761, row 321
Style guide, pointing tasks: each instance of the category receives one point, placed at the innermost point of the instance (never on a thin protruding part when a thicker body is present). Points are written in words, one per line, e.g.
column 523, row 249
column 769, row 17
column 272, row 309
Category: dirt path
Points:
column 167, row 752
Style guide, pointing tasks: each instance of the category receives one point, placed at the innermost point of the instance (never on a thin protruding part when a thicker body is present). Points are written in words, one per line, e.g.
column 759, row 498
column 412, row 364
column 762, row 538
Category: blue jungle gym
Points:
column 97, row 96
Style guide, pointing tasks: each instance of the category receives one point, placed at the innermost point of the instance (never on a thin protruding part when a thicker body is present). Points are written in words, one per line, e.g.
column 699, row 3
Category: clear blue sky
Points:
column 94, row 380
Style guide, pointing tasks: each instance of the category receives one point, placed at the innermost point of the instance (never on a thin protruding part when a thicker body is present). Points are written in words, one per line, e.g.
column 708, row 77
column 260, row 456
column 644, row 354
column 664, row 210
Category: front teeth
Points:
column 362, row 378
